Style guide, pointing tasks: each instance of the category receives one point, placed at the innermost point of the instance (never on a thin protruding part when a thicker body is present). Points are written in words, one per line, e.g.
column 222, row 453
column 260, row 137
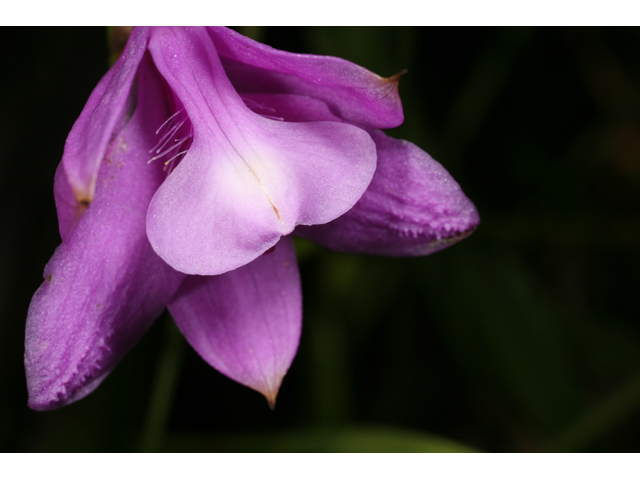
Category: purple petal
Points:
column 94, row 129
column 104, row 285
column 246, row 180
column 412, row 207
column 246, row 323
column 352, row 92
column 289, row 107
column 69, row 209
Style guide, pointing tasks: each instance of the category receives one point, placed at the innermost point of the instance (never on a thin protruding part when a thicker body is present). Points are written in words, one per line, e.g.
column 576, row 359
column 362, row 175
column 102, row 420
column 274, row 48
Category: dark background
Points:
column 523, row 337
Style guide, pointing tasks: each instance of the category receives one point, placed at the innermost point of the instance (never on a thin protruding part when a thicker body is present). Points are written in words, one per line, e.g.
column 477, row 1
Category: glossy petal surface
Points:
column 101, row 117
column 412, row 207
column 351, row 91
column 104, row 285
column 246, row 323
column 246, row 180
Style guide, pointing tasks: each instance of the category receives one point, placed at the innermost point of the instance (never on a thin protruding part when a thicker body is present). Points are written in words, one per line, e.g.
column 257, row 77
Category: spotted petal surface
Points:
column 103, row 115
column 104, row 285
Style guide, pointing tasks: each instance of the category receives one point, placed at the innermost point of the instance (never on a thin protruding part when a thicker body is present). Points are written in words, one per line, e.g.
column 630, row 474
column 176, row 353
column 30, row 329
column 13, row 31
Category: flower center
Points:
column 176, row 135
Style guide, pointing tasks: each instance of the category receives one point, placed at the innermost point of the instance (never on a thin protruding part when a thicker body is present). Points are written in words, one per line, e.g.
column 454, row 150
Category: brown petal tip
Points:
column 271, row 399
column 396, row 78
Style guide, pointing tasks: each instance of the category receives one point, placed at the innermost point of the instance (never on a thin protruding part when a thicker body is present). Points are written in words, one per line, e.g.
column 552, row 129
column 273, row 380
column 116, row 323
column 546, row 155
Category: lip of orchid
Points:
column 246, row 180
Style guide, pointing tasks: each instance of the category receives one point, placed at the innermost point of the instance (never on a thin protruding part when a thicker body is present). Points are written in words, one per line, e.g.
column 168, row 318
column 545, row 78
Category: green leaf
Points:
column 504, row 336
column 356, row 439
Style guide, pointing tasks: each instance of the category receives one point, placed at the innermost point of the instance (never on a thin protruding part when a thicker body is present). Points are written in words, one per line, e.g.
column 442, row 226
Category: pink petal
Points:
column 412, row 207
column 352, row 92
column 103, row 113
column 246, row 323
column 289, row 107
column 246, row 180
column 104, row 285
column 69, row 209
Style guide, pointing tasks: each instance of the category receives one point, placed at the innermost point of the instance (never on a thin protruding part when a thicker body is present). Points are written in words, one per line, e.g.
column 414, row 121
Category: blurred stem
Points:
column 117, row 39
column 481, row 90
column 599, row 420
column 255, row 33
column 331, row 387
column 164, row 386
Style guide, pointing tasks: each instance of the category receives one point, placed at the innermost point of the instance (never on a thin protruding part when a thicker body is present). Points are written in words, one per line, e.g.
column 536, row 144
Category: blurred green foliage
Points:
column 523, row 337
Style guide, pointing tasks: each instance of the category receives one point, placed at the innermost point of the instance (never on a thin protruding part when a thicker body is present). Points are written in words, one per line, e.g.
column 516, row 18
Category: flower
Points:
column 194, row 159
